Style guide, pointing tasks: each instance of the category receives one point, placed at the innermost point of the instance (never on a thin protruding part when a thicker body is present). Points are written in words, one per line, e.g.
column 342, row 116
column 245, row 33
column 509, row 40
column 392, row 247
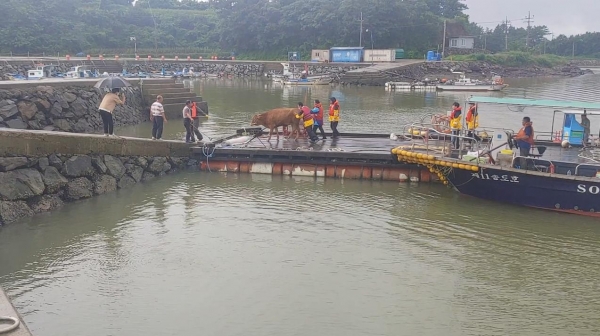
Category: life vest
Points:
column 334, row 111
column 472, row 118
column 194, row 111
column 319, row 115
column 456, row 118
column 306, row 116
column 521, row 134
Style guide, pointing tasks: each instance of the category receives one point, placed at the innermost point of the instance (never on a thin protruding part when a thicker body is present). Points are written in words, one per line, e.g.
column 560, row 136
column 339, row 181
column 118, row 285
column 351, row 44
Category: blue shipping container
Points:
column 346, row 54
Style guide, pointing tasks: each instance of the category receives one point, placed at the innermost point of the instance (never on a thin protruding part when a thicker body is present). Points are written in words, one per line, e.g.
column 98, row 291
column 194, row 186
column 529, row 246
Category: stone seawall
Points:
column 69, row 109
column 474, row 70
column 40, row 171
column 242, row 69
column 36, row 184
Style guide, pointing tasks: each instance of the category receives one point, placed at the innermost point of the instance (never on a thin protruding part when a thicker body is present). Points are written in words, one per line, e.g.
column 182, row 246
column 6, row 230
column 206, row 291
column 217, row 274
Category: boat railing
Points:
column 594, row 167
column 439, row 142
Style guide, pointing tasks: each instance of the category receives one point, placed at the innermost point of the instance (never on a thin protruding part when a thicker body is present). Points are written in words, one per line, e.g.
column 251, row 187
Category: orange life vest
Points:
column 334, row 111
column 472, row 118
column 522, row 134
column 194, row 110
column 319, row 115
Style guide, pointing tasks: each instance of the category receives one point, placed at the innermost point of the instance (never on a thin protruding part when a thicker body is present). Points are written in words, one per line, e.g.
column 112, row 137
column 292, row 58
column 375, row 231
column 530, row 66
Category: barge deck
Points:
column 350, row 156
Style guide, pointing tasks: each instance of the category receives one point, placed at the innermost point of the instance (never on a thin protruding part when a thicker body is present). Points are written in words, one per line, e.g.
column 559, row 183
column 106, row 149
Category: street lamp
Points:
column 132, row 38
column 371, row 31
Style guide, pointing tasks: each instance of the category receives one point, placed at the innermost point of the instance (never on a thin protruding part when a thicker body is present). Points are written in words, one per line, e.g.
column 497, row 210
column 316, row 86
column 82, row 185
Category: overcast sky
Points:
column 561, row 16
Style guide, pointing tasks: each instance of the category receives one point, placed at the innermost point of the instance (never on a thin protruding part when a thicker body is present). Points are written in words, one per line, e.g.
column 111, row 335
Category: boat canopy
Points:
column 536, row 103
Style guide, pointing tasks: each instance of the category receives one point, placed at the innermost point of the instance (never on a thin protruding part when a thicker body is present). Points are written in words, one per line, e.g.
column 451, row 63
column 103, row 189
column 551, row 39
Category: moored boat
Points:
column 464, row 83
column 554, row 175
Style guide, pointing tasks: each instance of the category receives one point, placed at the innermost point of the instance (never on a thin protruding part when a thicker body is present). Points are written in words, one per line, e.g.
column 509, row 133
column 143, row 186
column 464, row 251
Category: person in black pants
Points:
column 188, row 122
column 157, row 115
column 334, row 116
column 107, row 106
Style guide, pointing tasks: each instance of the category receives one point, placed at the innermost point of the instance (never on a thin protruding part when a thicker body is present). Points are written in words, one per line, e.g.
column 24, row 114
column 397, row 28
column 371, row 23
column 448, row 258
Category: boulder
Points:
column 21, row 184
column 99, row 165
column 12, row 211
column 141, row 161
column 134, row 171
column 45, row 203
column 79, row 107
column 157, row 165
column 114, row 166
column 27, row 109
column 63, row 125
column 42, row 104
column 69, row 97
column 53, row 180
column 81, row 126
column 34, row 124
column 8, row 110
column 79, row 188
column 43, row 163
column 11, row 163
column 126, row 182
column 16, row 123
column 166, row 167
column 56, row 110
column 147, row 176
column 104, row 184
column 79, row 165
column 55, row 161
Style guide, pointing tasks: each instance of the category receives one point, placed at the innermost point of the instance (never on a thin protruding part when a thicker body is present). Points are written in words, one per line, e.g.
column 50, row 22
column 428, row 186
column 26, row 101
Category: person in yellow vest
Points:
column 472, row 120
column 456, row 124
column 334, row 115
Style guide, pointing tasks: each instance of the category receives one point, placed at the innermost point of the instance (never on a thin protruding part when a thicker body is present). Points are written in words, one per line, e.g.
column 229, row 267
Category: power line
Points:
column 529, row 20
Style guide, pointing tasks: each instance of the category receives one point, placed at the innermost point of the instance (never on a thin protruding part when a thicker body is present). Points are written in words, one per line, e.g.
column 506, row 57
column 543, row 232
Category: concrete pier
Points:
column 8, row 310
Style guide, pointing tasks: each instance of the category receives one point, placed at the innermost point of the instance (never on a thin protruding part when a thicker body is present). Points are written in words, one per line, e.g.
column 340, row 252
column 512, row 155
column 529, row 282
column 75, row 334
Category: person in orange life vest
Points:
column 308, row 121
column 525, row 137
column 196, row 120
column 318, row 113
column 334, row 115
column 472, row 120
column 456, row 124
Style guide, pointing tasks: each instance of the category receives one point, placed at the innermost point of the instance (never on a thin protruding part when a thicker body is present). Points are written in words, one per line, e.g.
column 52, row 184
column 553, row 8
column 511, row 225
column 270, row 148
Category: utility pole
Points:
column 444, row 41
column 506, row 22
column 361, row 30
column 529, row 21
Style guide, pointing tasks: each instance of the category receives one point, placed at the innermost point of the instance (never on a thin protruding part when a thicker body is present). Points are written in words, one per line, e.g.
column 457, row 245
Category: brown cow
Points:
column 274, row 118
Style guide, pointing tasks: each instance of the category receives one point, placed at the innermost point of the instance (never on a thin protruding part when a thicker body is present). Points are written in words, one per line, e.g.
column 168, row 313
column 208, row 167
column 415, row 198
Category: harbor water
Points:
column 213, row 254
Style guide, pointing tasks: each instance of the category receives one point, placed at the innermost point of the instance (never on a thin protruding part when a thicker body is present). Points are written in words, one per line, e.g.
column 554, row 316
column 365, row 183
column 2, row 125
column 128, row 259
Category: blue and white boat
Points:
column 561, row 172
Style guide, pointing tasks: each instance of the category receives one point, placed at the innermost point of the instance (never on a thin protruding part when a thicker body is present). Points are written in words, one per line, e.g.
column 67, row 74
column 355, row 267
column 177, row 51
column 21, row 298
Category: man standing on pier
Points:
column 318, row 112
column 308, row 121
column 157, row 116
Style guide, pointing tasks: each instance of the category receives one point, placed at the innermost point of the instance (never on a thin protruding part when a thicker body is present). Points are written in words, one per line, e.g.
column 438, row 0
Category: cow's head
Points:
column 257, row 120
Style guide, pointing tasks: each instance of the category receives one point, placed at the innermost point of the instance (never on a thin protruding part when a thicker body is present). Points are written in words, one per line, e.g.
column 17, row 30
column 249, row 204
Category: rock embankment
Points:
column 245, row 69
column 31, row 185
column 68, row 109
column 475, row 70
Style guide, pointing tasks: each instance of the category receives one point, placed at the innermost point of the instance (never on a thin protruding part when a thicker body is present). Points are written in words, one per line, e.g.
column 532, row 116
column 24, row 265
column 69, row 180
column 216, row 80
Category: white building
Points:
column 462, row 42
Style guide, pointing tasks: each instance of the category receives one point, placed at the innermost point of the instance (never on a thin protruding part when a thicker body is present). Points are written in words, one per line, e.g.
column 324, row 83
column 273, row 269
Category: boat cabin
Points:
column 80, row 71
column 40, row 71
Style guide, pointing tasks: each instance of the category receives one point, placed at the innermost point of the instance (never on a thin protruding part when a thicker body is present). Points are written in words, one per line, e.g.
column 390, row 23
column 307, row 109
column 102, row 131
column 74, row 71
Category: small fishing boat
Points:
column 308, row 81
column 408, row 86
column 555, row 175
column 41, row 71
column 81, row 71
column 464, row 83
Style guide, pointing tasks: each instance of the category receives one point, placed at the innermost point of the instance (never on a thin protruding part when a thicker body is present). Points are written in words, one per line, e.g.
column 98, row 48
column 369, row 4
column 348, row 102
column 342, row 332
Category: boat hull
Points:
column 471, row 88
column 542, row 191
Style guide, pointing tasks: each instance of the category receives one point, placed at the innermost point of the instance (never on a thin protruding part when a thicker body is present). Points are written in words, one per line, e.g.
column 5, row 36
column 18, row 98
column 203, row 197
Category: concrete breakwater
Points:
column 40, row 171
column 69, row 109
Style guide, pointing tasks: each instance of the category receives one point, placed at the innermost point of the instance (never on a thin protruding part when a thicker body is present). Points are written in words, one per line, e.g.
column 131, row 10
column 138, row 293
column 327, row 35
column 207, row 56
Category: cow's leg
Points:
column 270, row 132
column 277, row 132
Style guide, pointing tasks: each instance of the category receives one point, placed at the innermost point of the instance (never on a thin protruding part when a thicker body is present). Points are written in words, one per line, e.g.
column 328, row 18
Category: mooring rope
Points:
column 7, row 328
column 206, row 151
